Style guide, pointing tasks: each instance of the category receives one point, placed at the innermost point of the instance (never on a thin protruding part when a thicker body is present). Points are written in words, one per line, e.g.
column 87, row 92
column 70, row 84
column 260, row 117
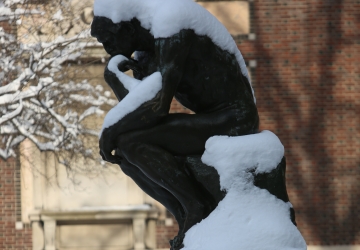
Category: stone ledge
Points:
column 354, row 247
column 96, row 213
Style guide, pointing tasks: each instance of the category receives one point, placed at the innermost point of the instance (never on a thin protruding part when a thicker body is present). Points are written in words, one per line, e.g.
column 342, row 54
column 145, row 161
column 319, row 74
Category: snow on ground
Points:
column 248, row 217
column 139, row 92
column 165, row 18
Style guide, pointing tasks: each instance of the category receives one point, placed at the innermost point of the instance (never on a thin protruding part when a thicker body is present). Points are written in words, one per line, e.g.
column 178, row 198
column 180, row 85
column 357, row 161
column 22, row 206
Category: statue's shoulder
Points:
column 184, row 34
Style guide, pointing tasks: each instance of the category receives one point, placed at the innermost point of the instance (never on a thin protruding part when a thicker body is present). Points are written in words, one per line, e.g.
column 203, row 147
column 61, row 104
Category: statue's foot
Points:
column 196, row 210
column 177, row 242
column 181, row 219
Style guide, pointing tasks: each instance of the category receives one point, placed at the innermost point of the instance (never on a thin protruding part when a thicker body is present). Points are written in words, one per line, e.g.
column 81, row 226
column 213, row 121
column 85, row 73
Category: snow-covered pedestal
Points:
column 248, row 218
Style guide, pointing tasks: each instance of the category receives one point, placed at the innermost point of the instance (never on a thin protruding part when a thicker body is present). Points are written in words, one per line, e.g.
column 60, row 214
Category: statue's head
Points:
column 117, row 38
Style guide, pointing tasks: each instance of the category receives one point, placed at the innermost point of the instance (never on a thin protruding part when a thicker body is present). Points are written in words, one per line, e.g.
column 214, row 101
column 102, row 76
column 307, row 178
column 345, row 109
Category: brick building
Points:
column 307, row 86
column 303, row 58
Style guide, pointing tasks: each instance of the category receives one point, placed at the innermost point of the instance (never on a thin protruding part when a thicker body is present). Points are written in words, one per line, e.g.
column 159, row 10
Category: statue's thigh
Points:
column 182, row 134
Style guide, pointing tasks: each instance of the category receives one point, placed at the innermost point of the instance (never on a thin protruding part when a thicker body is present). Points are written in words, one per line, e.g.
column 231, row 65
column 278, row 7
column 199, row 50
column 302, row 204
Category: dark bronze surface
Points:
column 161, row 151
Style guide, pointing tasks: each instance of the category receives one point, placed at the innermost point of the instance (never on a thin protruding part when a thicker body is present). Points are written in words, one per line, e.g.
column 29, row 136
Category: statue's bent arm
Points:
column 114, row 83
column 171, row 54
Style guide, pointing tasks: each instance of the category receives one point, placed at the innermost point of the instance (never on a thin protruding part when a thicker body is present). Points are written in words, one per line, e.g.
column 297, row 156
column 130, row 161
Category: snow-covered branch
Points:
column 38, row 101
column 12, row 114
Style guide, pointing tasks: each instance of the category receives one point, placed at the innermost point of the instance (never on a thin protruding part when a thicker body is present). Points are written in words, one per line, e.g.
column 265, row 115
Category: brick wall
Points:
column 5, row 25
column 10, row 200
column 165, row 233
column 308, row 93
column 10, row 238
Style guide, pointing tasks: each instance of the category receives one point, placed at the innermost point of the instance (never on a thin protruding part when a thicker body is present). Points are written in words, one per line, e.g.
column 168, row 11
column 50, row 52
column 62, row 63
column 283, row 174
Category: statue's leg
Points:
column 155, row 191
column 152, row 151
column 161, row 168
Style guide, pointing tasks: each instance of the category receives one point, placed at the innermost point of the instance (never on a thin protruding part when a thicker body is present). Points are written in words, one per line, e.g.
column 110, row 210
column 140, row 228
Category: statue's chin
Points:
column 114, row 52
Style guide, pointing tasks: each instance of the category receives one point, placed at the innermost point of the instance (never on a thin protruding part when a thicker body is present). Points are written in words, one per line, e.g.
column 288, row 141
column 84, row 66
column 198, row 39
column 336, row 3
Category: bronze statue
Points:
column 161, row 151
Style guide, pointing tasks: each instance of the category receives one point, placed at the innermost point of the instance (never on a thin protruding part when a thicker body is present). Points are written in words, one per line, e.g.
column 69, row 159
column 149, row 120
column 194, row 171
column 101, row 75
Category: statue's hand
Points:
column 130, row 65
column 107, row 145
column 156, row 105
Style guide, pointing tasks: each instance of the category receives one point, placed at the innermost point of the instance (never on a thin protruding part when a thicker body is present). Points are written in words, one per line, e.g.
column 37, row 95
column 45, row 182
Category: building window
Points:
column 234, row 15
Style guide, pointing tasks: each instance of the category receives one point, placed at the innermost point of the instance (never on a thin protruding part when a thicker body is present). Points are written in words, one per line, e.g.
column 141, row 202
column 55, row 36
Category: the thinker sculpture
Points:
column 180, row 51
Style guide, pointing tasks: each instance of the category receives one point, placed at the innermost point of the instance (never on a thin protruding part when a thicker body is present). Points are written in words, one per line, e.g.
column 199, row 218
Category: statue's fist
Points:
column 107, row 145
column 129, row 64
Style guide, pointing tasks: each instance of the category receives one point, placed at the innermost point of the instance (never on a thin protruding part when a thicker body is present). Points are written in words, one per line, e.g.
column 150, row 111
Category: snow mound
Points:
column 139, row 92
column 165, row 18
column 248, row 217
column 234, row 156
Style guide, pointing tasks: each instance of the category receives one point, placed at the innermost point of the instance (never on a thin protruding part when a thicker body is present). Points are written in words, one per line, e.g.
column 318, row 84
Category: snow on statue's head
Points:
column 164, row 18
column 125, row 10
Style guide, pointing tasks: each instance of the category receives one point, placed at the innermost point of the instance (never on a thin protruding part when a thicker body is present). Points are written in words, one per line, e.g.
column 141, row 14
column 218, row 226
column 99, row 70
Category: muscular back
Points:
column 211, row 78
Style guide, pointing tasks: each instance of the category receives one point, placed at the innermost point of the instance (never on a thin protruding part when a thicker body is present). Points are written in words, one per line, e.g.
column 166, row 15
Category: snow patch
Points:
column 235, row 155
column 165, row 18
column 58, row 16
column 248, row 217
column 12, row 114
column 251, row 219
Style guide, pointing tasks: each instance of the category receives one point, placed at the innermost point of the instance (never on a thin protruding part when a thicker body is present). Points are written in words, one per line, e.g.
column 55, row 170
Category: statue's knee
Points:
column 121, row 142
column 126, row 140
column 130, row 153
column 127, row 150
column 135, row 150
column 128, row 168
column 131, row 147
